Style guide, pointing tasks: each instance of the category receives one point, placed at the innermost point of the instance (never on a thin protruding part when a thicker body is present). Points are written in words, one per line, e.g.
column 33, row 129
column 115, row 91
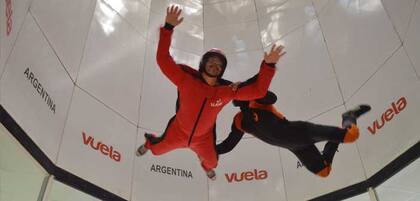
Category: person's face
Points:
column 214, row 67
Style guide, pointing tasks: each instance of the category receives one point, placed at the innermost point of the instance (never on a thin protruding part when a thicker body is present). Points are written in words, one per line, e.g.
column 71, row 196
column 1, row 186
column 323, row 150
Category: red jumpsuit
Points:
column 199, row 103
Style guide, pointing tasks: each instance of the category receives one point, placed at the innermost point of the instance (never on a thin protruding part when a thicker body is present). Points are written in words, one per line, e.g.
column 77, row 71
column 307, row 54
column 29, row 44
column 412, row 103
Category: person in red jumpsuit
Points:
column 261, row 119
column 201, row 96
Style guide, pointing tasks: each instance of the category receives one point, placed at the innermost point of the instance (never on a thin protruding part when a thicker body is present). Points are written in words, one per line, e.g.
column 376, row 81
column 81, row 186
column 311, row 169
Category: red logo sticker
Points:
column 9, row 12
column 248, row 176
column 101, row 147
column 388, row 115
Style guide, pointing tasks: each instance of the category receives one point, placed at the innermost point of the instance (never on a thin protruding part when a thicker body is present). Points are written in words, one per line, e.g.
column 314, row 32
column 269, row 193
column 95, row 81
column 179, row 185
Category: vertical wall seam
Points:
column 74, row 86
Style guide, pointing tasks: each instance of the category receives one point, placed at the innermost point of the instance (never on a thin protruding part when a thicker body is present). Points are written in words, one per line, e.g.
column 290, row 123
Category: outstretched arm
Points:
column 164, row 59
column 257, row 86
column 232, row 140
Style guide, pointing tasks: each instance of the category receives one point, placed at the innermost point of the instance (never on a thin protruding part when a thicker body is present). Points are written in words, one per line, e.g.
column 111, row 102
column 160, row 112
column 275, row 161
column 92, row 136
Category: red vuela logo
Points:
column 248, row 176
column 103, row 148
column 387, row 116
column 8, row 13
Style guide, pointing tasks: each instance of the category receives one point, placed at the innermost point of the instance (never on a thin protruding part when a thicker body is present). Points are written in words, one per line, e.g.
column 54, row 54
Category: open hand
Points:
column 172, row 15
column 274, row 55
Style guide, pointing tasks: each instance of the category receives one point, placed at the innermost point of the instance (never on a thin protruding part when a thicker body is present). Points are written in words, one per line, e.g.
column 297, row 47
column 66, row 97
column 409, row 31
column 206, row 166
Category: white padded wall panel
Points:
column 66, row 32
column 98, row 145
column 392, row 125
column 12, row 16
column 36, row 90
column 360, row 37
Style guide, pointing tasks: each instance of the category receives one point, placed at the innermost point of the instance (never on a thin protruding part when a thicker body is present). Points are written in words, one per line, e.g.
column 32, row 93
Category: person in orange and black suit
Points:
column 260, row 119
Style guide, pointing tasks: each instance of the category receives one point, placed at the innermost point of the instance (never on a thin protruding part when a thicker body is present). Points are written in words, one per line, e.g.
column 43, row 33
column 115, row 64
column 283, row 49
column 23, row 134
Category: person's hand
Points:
column 274, row 55
column 172, row 15
column 234, row 86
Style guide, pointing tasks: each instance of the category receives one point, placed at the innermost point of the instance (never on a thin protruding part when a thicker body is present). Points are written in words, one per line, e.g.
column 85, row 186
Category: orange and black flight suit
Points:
column 198, row 105
column 263, row 121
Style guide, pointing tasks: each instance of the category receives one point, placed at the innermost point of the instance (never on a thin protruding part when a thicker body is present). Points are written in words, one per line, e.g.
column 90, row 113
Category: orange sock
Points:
column 324, row 172
column 352, row 134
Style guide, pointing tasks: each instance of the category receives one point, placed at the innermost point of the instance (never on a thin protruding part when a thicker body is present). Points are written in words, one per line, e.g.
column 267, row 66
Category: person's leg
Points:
column 170, row 140
column 205, row 149
column 334, row 136
column 312, row 159
column 348, row 133
column 349, row 120
column 350, row 116
column 329, row 151
column 318, row 132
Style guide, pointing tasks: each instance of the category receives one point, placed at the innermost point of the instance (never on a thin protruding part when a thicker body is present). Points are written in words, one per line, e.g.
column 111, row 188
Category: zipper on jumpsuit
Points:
column 196, row 122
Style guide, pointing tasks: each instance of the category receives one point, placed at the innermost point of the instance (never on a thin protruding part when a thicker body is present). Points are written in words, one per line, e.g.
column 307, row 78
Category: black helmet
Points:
column 269, row 99
column 213, row 53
